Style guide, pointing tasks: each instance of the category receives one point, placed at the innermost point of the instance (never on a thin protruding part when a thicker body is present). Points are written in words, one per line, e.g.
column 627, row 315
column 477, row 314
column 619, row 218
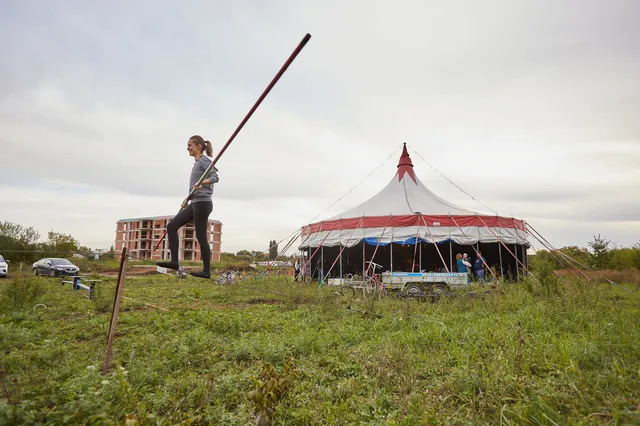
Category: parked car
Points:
column 54, row 267
column 4, row 268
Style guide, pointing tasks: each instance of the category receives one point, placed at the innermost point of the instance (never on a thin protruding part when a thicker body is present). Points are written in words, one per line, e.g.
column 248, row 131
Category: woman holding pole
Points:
column 198, row 210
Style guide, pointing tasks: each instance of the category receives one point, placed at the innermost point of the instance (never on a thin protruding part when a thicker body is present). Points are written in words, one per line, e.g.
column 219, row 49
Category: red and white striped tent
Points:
column 407, row 213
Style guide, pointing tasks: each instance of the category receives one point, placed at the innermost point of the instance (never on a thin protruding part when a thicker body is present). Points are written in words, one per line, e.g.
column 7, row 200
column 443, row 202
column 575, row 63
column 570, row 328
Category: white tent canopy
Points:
column 406, row 211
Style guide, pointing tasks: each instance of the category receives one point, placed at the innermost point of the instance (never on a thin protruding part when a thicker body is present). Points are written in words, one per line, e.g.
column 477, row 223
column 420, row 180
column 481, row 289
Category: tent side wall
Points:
column 426, row 258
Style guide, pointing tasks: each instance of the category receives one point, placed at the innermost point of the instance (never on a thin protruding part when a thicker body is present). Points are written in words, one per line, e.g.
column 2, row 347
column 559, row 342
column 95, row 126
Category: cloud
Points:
column 531, row 108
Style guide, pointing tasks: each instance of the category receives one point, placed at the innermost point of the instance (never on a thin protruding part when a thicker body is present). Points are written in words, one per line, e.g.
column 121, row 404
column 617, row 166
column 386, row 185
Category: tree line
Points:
column 603, row 254
column 22, row 244
column 257, row 256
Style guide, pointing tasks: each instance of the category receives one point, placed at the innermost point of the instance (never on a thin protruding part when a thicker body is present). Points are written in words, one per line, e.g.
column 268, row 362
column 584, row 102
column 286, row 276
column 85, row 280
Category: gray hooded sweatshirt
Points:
column 200, row 166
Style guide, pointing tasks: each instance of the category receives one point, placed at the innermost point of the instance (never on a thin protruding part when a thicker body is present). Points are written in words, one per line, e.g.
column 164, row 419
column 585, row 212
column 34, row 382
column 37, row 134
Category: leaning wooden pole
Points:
column 115, row 310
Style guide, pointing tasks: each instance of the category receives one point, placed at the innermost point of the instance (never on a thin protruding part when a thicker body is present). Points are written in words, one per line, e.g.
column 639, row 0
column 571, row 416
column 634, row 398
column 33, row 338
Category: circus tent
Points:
column 406, row 213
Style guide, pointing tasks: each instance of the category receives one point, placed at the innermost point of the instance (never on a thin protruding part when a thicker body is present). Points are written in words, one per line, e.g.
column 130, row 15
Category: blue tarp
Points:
column 409, row 241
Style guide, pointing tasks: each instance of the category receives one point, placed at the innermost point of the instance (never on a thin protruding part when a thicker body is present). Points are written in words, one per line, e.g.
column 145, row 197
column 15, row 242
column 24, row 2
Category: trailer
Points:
column 420, row 283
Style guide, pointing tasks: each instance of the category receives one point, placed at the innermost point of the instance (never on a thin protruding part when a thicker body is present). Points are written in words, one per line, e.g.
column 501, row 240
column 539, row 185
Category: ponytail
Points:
column 206, row 145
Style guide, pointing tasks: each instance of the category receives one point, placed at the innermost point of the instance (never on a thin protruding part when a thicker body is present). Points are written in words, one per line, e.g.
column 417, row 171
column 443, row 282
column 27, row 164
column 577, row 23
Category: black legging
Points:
column 198, row 213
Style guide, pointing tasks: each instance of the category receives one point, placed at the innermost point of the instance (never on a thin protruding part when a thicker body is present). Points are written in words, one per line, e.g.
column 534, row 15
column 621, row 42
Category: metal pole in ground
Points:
column 500, row 247
column 390, row 251
column 341, row 266
column 500, row 254
column 116, row 309
column 363, row 258
column 515, row 250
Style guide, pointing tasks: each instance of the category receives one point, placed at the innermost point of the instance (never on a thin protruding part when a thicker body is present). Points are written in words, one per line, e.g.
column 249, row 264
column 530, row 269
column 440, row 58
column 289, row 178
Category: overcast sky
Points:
column 532, row 107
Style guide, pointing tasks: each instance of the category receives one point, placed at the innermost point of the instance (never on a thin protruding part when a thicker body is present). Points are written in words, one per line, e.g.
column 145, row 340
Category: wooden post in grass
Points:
column 115, row 310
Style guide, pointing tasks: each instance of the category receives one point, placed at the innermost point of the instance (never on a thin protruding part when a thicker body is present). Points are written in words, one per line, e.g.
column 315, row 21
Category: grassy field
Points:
column 217, row 355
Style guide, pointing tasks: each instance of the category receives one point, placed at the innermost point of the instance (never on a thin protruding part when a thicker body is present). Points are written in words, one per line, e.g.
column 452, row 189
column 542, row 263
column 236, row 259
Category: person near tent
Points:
column 409, row 264
column 320, row 271
column 296, row 269
column 478, row 267
column 469, row 266
column 306, row 270
column 198, row 210
column 463, row 266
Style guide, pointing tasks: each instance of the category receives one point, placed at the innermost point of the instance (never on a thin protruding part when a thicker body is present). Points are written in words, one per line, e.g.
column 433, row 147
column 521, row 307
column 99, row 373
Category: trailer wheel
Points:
column 413, row 289
column 438, row 291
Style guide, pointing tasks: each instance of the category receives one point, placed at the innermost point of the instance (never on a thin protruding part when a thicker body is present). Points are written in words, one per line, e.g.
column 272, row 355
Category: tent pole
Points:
column 450, row 251
column 420, row 260
column 322, row 264
column 434, row 243
column 515, row 251
column 500, row 254
column 373, row 256
column 342, row 249
column 363, row 258
column 391, row 252
column 525, row 258
column 451, row 254
column 500, row 246
column 501, row 242
column 415, row 250
column 308, row 262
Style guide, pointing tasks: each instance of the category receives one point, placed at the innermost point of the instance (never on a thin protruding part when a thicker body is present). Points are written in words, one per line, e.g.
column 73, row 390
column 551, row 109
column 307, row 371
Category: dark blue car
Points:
column 54, row 267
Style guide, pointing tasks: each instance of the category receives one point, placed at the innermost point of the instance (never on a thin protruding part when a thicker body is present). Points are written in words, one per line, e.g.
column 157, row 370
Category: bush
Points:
column 103, row 295
column 21, row 292
column 82, row 263
column 544, row 272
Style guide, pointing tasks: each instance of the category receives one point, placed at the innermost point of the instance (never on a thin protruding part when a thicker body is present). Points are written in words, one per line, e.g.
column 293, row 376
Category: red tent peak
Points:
column 405, row 166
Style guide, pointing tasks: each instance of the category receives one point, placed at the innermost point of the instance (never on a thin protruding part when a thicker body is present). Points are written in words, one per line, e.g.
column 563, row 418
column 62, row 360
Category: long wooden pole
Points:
column 115, row 310
column 255, row 106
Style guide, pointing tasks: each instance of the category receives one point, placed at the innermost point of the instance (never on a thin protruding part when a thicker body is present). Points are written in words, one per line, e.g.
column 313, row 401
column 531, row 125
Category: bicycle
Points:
column 347, row 288
column 241, row 276
column 228, row 277
column 372, row 283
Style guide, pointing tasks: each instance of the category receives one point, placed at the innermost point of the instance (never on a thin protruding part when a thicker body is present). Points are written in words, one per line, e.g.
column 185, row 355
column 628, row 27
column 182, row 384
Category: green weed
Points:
column 194, row 352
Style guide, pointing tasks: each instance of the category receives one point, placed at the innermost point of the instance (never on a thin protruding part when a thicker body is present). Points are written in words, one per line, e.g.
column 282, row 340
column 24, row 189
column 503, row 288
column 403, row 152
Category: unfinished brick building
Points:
column 141, row 234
